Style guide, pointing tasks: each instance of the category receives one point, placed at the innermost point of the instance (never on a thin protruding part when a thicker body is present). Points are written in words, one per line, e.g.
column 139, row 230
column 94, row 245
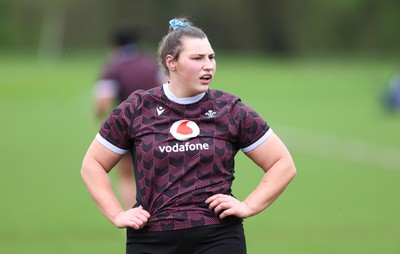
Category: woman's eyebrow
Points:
column 203, row 54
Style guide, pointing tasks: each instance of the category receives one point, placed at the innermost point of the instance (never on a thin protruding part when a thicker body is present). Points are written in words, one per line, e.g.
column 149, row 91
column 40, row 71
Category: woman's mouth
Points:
column 206, row 77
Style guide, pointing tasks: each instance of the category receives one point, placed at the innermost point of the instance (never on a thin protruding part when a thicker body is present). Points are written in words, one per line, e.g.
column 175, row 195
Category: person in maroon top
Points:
column 183, row 138
column 128, row 68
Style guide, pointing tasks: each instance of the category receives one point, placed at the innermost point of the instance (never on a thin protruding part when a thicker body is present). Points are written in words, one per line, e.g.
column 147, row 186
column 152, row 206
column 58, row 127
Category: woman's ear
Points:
column 171, row 63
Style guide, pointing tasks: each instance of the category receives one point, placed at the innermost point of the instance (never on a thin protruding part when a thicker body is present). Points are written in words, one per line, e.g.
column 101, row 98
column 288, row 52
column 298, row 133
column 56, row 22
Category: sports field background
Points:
column 345, row 198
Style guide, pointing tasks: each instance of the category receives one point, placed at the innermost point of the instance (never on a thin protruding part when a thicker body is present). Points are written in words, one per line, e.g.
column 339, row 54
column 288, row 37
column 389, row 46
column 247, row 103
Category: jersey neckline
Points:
column 184, row 100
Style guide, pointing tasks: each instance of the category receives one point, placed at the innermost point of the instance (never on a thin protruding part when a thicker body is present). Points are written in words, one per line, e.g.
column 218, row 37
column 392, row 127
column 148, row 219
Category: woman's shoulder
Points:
column 223, row 96
column 141, row 94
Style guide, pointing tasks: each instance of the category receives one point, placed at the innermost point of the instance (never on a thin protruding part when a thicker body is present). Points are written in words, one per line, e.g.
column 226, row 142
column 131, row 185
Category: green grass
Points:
column 336, row 204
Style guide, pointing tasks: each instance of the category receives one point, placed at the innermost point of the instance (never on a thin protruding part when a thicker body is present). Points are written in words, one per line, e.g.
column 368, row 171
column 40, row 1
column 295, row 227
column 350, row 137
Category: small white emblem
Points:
column 210, row 113
column 160, row 110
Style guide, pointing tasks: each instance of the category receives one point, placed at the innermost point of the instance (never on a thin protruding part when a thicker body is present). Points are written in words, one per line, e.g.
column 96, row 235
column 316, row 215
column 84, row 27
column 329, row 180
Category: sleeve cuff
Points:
column 258, row 142
column 110, row 146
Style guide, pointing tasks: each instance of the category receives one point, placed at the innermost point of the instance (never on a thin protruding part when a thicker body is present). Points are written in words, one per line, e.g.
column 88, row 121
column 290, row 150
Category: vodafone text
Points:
column 184, row 147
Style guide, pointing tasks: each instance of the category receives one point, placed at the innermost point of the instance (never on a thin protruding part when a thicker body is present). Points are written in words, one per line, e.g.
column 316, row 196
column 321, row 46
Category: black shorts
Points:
column 216, row 239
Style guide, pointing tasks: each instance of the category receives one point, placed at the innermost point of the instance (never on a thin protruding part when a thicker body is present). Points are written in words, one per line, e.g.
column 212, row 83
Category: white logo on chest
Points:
column 160, row 110
column 184, row 129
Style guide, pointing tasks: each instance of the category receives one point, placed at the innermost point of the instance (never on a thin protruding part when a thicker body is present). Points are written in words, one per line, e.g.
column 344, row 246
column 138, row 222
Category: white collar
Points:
column 185, row 100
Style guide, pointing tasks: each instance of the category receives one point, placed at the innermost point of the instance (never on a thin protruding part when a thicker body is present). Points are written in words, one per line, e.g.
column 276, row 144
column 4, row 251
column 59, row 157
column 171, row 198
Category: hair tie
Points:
column 175, row 24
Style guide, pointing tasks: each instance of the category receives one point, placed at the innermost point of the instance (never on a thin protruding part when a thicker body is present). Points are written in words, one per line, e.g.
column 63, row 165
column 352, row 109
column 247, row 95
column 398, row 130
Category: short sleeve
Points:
column 106, row 88
column 252, row 128
column 115, row 131
column 110, row 70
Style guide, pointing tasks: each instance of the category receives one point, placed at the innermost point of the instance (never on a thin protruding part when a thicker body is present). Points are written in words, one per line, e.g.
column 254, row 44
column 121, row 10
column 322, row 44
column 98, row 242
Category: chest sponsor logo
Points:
column 184, row 130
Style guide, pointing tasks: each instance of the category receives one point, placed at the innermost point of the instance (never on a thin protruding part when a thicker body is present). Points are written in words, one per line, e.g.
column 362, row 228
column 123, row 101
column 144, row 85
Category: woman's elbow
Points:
column 86, row 169
column 292, row 171
column 288, row 168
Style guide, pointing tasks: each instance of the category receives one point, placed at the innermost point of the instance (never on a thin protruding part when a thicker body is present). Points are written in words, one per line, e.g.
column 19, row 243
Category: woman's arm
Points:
column 98, row 161
column 274, row 158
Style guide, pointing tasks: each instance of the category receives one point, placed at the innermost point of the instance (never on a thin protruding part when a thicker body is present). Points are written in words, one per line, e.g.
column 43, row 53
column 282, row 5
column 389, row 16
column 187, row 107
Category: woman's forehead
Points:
column 196, row 46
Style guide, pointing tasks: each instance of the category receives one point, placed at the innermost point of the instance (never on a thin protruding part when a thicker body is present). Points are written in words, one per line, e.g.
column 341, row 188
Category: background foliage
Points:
column 276, row 27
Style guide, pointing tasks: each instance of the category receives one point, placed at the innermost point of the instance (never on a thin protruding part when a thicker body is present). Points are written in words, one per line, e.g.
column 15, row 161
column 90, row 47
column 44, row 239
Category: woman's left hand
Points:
column 226, row 205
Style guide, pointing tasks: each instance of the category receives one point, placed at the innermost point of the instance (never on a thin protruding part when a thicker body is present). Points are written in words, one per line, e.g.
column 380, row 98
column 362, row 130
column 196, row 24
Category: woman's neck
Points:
column 179, row 90
column 181, row 99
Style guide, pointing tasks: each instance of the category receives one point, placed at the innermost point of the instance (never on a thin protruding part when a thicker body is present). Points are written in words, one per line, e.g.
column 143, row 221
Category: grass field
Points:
column 345, row 198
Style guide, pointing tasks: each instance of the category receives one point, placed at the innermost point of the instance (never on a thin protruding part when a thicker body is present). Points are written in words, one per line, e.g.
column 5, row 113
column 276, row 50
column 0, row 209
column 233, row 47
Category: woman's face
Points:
column 195, row 68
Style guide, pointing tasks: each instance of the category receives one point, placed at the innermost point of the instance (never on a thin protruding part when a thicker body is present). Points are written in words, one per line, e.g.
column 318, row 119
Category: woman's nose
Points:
column 209, row 65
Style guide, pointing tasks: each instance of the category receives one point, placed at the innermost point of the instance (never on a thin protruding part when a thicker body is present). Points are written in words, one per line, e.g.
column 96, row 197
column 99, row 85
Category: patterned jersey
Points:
column 183, row 151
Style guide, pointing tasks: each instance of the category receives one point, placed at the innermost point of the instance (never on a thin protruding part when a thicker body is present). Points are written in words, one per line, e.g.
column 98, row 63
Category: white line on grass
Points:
column 336, row 147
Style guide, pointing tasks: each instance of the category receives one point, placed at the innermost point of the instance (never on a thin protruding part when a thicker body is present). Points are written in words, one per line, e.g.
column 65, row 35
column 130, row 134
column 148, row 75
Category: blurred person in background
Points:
column 184, row 137
column 392, row 96
column 128, row 68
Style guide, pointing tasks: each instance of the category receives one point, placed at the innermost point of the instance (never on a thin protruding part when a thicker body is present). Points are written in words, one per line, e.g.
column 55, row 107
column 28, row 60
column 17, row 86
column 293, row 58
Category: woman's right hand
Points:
column 135, row 218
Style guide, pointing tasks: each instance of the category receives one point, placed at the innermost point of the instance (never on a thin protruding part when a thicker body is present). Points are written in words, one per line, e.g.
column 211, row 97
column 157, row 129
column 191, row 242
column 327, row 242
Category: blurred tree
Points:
column 5, row 19
column 281, row 27
column 272, row 19
column 51, row 29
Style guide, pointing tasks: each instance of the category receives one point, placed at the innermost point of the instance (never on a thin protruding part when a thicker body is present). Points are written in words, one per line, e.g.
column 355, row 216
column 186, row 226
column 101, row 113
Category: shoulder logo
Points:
column 184, row 129
column 160, row 110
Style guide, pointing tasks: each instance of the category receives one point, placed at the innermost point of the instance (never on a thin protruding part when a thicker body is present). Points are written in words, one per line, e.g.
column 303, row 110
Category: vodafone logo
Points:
column 184, row 129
